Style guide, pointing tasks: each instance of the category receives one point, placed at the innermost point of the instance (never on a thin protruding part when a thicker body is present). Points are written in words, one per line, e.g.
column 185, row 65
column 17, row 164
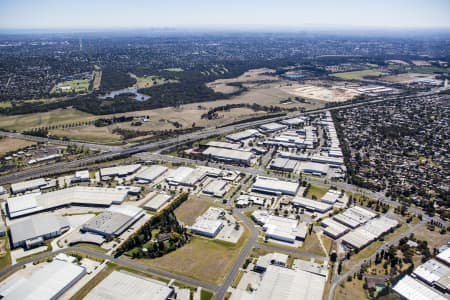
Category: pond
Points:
column 130, row 90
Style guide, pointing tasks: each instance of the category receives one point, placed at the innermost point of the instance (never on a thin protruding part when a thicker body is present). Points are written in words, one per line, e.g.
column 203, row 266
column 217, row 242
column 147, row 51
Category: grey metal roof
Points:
column 36, row 226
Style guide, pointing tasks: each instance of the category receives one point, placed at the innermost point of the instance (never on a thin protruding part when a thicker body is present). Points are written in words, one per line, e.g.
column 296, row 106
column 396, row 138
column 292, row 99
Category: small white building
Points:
column 209, row 223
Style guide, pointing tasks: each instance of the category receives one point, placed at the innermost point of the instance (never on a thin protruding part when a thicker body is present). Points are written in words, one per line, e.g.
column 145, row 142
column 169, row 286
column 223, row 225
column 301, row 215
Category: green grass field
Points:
column 357, row 75
column 72, row 86
column 176, row 70
column 317, row 191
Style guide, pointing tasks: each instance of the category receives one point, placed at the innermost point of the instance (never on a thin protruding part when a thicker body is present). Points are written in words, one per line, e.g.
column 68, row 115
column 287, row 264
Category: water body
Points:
column 130, row 90
column 294, row 76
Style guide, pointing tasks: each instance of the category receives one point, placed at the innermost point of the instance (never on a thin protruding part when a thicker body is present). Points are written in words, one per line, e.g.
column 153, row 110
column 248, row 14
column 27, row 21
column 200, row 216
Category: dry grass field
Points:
column 434, row 238
column 406, row 77
column 10, row 144
column 202, row 259
column 191, row 209
column 351, row 290
column 89, row 134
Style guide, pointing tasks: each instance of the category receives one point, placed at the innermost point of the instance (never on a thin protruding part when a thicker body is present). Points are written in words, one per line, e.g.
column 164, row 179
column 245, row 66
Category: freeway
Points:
column 62, row 167
column 339, row 278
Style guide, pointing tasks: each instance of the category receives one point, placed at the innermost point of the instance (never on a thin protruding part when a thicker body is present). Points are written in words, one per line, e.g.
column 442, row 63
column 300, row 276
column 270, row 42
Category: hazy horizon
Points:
column 83, row 15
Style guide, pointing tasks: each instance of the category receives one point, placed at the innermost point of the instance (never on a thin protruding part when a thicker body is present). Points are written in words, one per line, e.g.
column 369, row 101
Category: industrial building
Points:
column 274, row 186
column 85, row 196
column 369, row 232
column 224, row 145
column 2, row 227
column 216, row 188
column 121, row 285
column 332, row 161
column 289, row 284
column 48, row 282
column 354, row 216
column 331, row 196
column 209, row 223
column 434, row 274
column 279, row 228
column 229, row 155
column 242, row 135
column 32, row 231
column 313, row 168
column 277, row 259
column 29, row 185
column 412, row 289
column 119, row 171
column 283, row 164
column 311, row 205
column 150, row 174
column 185, row 176
column 114, row 221
column 334, row 229
column 444, row 256
column 272, row 127
column 294, row 156
column 157, row 202
column 293, row 122
column 81, row 176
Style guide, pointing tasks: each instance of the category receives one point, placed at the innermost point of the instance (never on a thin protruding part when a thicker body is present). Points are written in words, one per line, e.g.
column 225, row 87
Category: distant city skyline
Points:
column 284, row 14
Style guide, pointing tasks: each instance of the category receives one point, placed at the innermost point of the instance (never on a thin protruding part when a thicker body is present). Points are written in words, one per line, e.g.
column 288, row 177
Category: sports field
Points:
column 176, row 70
column 72, row 86
column 358, row 75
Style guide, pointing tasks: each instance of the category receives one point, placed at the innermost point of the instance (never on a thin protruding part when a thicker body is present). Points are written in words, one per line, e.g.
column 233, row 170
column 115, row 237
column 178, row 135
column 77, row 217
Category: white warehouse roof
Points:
column 121, row 285
column 120, row 170
column 242, row 135
column 50, row 282
column 36, row 202
column 150, row 173
column 288, row 284
column 275, row 186
column 229, row 154
column 312, row 205
column 28, row 185
column 157, row 202
column 412, row 289
column 444, row 256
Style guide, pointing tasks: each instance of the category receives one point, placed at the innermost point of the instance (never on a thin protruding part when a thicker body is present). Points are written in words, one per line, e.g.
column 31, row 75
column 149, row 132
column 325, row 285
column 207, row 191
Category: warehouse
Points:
column 150, row 174
column 78, row 195
column 332, row 161
column 331, row 196
column 314, row 168
column 293, row 156
column 29, row 185
column 412, row 289
column 272, row 127
column 114, row 221
column 354, row 216
column 209, row 223
column 367, row 233
column 444, row 256
column 223, row 145
column 121, row 285
column 288, row 284
column 334, row 229
column 48, row 282
column 277, row 259
column 283, row 164
column 32, row 231
column 274, row 186
column 2, row 227
column 242, row 135
column 311, row 205
column 119, row 171
column 216, row 188
column 186, row 176
column 293, row 122
column 434, row 274
column 157, row 202
column 81, row 176
column 279, row 228
column 229, row 155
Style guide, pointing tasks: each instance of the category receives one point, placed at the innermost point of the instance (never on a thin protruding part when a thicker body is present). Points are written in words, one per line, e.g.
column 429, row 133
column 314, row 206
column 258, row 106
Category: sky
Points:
column 110, row 14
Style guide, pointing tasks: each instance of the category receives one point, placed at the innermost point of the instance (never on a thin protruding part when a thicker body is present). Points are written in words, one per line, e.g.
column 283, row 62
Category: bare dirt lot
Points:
column 10, row 144
column 321, row 93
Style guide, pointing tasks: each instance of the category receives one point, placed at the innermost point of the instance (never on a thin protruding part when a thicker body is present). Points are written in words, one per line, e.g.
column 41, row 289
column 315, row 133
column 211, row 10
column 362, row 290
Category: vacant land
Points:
column 97, row 79
column 434, row 238
column 202, row 259
column 315, row 91
column 191, row 209
column 150, row 80
column 316, row 191
column 57, row 116
column 350, row 290
column 358, row 75
column 5, row 258
column 72, row 86
column 250, row 77
column 10, row 144
column 89, row 134
column 407, row 77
